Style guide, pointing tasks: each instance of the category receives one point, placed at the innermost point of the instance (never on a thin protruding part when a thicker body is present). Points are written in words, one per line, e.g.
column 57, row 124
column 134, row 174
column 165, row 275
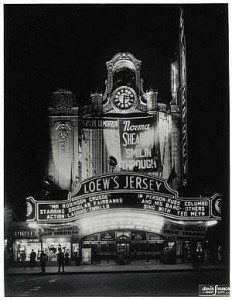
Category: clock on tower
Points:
column 124, row 97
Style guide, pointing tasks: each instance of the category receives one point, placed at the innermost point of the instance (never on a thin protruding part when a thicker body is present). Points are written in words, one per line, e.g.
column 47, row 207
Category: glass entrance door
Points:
column 123, row 250
column 123, row 246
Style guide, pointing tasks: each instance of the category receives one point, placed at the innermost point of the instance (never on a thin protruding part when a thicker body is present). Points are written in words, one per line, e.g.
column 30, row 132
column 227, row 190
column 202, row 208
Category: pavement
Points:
column 112, row 267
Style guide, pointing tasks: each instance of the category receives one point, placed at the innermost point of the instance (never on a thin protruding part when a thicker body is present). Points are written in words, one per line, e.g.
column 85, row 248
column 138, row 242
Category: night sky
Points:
column 48, row 47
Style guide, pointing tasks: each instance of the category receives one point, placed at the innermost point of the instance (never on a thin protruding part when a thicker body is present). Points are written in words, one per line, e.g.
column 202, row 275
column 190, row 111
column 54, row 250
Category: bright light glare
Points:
column 119, row 219
column 211, row 223
column 32, row 225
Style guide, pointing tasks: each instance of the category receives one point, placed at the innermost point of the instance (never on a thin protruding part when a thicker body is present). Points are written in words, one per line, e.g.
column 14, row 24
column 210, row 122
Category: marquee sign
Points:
column 126, row 191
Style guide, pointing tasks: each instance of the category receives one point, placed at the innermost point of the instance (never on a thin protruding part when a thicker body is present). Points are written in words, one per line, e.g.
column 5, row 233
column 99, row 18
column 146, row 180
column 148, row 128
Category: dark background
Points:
column 48, row 47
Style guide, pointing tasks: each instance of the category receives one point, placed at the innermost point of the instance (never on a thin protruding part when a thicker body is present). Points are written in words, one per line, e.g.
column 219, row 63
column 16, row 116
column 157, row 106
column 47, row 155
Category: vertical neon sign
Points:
column 183, row 96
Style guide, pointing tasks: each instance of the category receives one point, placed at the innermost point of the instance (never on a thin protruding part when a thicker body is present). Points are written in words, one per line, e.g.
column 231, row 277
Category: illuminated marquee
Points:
column 129, row 190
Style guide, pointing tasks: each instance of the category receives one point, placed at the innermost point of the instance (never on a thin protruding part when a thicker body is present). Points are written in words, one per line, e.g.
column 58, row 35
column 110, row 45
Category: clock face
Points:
column 124, row 98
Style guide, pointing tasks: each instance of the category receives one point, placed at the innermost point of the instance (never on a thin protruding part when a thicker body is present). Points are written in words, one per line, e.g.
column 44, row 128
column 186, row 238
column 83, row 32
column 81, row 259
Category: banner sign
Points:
column 107, row 236
column 137, row 144
column 126, row 191
column 189, row 231
column 99, row 123
column 22, row 234
column 138, row 235
column 61, row 230
column 132, row 142
column 91, row 238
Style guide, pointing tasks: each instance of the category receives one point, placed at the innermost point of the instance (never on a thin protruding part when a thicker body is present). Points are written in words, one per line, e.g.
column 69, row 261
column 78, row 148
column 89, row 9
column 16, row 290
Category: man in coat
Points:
column 43, row 260
column 32, row 258
column 60, row 259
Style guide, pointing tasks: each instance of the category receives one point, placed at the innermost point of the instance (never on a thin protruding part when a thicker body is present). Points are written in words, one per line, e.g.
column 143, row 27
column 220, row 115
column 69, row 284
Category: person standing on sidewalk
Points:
column 219, row 254
column 6, row 261
column 77, row 258
column 43, row 260
column 23, row 259
column 32, row 258
column 66, row 258
column 60, row 259
column 199, row 255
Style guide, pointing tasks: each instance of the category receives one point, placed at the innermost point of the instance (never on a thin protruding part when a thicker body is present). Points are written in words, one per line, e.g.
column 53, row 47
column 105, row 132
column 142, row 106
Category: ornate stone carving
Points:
column 127, row 58
column 141, row 107
column 53, row 111
column 85, row 110
column 108, row 106
column 63, row 101
column 174, row 108
column 162, row 107
column 63, row 135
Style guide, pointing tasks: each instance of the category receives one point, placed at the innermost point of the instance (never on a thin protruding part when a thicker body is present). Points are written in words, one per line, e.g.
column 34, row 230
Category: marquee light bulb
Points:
column 211, row 223
column 32, row 225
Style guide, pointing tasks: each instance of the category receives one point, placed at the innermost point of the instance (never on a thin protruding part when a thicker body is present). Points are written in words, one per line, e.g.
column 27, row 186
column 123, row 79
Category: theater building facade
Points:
column 120, row 162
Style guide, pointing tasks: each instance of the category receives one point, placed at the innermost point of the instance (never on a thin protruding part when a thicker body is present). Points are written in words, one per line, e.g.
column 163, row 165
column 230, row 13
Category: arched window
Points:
column 124, row 76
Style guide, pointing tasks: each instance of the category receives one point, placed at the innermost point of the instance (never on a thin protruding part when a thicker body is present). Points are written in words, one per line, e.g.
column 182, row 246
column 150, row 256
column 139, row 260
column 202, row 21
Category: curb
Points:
column 119, row 271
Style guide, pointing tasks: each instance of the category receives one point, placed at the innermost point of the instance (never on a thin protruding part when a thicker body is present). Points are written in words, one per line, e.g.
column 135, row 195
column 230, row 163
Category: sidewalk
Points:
column 111, row 267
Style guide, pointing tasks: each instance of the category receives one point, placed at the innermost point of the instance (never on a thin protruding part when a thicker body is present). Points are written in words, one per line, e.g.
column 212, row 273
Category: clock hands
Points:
column 124, row 98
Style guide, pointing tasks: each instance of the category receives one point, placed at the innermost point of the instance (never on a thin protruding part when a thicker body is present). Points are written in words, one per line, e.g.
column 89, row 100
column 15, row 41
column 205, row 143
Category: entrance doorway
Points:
column 123, row 249
column 129, row 245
